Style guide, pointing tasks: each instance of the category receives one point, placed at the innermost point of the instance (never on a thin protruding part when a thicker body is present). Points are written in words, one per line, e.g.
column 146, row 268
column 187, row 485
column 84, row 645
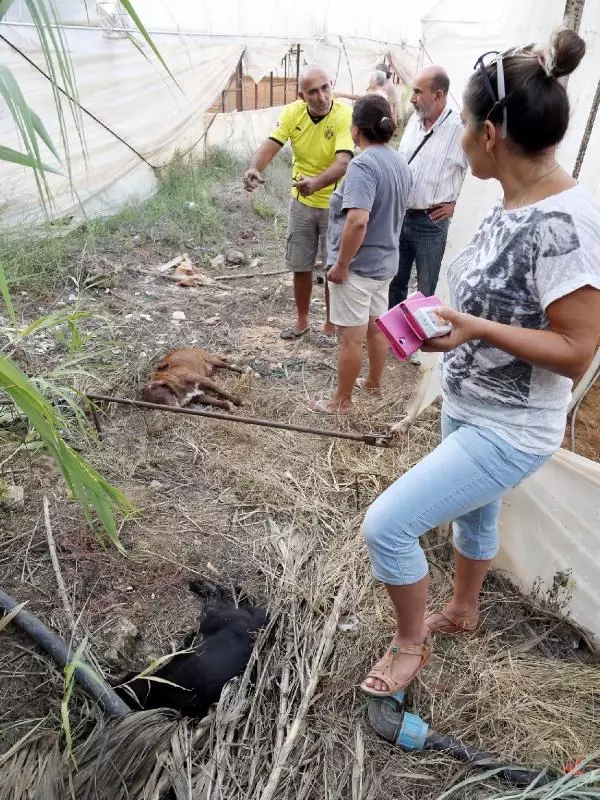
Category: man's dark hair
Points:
column 440, row 82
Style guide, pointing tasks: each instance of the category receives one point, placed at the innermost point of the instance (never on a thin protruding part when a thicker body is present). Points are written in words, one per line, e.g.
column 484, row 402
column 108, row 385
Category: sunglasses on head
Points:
column 499, row 100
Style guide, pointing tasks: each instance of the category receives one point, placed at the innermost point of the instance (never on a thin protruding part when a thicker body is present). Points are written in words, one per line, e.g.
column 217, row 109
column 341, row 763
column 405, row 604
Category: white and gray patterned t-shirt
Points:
column 516, row 265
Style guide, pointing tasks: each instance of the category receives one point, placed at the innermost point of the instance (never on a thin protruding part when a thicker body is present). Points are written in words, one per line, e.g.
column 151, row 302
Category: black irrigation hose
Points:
column 388, row 719
column 94, row 687
column 518, row 776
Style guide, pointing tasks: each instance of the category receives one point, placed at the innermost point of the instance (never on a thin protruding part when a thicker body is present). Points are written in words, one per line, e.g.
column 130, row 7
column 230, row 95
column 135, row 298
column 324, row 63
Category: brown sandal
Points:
column 451, row 623
column 383, row 671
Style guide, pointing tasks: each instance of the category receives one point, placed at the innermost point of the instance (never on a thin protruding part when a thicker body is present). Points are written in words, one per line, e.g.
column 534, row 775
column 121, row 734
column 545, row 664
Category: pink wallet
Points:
column 410, row 323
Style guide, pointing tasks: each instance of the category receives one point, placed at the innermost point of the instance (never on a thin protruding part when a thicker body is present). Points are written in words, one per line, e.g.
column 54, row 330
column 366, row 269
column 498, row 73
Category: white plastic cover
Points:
column 550, row 531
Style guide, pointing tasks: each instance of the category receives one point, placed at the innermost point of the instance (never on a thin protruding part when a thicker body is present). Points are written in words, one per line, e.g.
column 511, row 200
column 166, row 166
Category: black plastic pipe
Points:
column 464, row 752
column 410, row 732
column 94, row 686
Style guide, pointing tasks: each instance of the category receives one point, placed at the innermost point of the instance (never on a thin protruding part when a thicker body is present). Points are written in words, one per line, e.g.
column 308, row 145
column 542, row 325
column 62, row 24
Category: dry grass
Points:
column 295, row 721
column 280, row 513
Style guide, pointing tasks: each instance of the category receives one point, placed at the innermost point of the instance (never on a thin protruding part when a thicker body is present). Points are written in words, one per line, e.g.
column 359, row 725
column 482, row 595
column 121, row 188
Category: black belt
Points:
column 418, row 212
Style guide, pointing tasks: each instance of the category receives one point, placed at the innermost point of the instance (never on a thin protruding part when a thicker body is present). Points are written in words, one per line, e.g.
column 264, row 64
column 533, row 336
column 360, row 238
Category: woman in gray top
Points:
column 365, row 217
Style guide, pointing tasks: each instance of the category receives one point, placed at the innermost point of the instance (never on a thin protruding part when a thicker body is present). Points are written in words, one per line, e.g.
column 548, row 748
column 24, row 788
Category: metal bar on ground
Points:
column 373, row 439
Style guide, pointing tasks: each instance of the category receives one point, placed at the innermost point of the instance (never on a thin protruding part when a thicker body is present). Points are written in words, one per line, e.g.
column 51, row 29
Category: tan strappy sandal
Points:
column 450, row 623
column 383, row 670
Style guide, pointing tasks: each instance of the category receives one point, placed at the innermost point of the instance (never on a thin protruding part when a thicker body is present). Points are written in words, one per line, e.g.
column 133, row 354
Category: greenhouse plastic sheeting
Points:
column 395, row 20
column 549, row 535
column 132, row 97
column 240, row 133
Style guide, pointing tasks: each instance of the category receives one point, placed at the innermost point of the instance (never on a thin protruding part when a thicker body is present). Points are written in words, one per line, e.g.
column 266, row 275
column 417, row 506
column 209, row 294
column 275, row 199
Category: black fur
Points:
column 222, row 647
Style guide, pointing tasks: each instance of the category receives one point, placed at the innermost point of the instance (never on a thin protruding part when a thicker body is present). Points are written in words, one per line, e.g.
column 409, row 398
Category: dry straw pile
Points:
column 293, row 727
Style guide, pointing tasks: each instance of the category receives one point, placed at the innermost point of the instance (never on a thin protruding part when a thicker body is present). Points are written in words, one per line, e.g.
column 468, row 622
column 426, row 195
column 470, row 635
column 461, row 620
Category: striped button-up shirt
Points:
column 439, row 167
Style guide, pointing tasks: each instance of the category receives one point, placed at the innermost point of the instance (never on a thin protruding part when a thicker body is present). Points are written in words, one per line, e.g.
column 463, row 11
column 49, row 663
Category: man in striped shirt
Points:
column 432, row 146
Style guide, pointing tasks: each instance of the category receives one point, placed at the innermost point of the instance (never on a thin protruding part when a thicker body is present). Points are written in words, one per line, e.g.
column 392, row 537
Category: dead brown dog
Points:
column 182, row 377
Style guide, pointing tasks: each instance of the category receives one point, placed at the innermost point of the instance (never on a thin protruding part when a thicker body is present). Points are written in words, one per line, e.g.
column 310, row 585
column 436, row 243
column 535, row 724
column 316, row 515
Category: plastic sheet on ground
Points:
column 550, row 529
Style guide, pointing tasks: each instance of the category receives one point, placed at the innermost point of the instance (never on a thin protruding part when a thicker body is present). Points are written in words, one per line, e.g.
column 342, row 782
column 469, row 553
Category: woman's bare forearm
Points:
column 553, row 351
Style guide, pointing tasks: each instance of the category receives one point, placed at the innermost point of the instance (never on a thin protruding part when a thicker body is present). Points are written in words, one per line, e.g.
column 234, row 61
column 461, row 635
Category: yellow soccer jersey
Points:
column 314, row 143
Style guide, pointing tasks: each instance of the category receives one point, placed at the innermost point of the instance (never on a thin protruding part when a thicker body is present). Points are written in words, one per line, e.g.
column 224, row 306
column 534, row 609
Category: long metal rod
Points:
column 238, row 37
column 374, row 439
column 298, row 68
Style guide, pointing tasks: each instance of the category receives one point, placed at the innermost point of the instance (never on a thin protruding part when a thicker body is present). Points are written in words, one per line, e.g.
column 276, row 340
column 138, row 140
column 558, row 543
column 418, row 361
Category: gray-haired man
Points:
column 432, row 146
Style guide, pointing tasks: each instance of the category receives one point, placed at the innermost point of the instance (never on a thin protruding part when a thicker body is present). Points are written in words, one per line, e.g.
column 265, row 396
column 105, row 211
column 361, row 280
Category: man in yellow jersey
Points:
column 318, row 128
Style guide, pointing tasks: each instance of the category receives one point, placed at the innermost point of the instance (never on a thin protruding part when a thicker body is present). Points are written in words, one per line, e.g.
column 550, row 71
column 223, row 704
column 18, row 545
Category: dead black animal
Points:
column 221, row 647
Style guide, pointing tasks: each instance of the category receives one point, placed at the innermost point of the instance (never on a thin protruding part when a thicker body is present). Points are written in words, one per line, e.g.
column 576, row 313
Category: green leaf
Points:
column 14, row 157
column 59, row 67
column 41, row 131
column 146, row 673
column 20, row 112
column 6, row 296
column 50, row 321
column 128, row 6
column 69, row 671
column 98, row 498
column 4, row 6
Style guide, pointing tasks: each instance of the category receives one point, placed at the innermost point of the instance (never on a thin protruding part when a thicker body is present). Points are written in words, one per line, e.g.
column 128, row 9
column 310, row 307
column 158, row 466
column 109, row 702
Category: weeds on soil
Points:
column 181, row 211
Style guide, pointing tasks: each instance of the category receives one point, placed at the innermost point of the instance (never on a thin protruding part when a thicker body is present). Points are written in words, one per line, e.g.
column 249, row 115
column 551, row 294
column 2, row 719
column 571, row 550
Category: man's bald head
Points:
column 315, row 89
column 430, row 92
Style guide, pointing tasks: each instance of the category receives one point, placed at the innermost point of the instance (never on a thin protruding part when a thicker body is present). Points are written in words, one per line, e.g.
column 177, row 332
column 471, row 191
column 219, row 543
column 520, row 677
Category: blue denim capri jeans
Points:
column 463, row 480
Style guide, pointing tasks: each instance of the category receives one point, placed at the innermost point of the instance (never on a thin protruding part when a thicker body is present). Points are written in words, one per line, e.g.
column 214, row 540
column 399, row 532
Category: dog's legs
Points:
column 206, row 383
column 223, row 362
column 207, row 400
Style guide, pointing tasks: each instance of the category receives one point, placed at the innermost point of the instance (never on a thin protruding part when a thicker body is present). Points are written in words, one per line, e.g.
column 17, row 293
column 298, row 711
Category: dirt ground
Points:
column 139, row 607
column 208, row 494
column 587, row 426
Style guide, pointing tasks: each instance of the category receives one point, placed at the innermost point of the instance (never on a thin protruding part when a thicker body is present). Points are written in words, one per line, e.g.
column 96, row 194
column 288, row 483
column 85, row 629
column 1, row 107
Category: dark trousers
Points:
column 422, row 242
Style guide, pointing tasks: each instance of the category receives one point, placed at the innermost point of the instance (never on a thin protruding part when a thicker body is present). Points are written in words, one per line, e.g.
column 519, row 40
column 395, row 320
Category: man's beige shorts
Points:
column 307, row 231
column 352, row 302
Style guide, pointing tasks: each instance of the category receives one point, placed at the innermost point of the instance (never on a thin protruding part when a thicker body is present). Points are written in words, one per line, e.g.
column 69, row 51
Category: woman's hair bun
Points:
column 563, row 54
